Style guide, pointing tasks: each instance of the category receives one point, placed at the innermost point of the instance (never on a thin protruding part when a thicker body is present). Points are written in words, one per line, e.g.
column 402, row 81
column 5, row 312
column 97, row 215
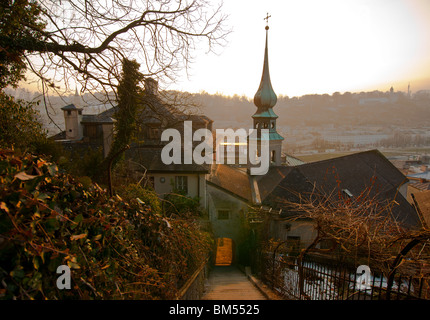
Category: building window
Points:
column 181, row 183
column 151, row 182
column 69, row 112
column 153, row 133
column 223, row 214
column 273, row 156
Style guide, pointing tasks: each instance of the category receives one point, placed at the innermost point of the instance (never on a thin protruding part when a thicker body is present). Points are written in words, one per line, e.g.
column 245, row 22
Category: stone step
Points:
column 229, row 283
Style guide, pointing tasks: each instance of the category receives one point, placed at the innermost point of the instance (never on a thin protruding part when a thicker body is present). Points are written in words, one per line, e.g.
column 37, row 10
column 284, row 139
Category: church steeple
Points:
column 265, row 99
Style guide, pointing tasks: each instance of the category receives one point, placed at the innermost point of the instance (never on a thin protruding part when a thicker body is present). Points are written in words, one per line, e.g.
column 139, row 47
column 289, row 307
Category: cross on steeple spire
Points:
column 267, row 20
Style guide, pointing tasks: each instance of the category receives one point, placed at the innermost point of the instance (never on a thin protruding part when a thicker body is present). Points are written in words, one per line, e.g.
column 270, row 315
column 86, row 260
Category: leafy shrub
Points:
column 149, row 197
column 180, row 204
column 115, row 249
column 19, row 127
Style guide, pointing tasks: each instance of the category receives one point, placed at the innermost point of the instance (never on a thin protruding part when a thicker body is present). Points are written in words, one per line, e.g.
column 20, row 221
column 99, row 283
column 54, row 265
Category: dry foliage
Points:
column 362, row 227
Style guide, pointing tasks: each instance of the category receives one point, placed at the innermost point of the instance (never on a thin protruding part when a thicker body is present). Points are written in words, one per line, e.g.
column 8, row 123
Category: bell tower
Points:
column 264, row 118
column 73, row 118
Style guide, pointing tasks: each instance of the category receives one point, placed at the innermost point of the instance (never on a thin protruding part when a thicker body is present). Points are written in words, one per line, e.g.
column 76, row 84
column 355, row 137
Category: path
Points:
column 229, row 283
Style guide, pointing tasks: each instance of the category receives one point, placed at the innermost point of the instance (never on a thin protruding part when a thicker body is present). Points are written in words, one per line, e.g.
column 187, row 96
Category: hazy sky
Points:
column 319, row 46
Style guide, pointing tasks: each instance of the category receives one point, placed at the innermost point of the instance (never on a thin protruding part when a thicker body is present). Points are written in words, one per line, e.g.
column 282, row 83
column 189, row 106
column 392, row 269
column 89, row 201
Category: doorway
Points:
column 224, row 252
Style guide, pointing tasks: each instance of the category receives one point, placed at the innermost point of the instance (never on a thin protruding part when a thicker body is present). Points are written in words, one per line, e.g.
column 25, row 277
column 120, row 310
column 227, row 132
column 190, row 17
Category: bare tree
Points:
column 85, row 41
column 359, row 230
column 361, row 227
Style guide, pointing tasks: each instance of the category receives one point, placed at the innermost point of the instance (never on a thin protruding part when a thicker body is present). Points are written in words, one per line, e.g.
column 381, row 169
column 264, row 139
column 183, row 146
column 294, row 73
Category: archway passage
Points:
column 224, row 252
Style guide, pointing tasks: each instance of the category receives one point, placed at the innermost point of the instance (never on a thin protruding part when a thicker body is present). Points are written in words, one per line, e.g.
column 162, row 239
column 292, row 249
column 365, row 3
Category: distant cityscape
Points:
column 314, row 126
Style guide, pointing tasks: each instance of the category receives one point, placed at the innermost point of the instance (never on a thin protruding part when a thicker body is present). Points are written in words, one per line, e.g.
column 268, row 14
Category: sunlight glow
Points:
column 319, row 47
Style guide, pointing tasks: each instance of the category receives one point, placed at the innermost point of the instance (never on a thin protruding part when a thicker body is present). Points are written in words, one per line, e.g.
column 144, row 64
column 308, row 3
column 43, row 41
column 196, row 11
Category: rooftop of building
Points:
column 352, row 174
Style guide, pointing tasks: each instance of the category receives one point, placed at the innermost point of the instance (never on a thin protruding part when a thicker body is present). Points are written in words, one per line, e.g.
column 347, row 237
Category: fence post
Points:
column 396, row 263
column 273, row 262
column 182, row 291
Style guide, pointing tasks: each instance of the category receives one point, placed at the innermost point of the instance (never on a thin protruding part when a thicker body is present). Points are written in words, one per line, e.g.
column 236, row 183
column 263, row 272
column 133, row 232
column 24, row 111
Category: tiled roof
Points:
column 268, row 182
column 353, row 173
column 70, row 107
column 420, row 185
column 293, row 161
column 231, row 179
column 423, row 201
column 103, row 117
column 59, row 136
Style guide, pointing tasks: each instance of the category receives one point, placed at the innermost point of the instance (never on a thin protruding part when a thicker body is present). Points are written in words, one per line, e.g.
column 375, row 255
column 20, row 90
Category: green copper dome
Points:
column 265, row 97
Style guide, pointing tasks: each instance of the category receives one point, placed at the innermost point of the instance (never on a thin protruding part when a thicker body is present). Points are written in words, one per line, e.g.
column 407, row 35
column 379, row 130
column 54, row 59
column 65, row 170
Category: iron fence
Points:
column 321, row 278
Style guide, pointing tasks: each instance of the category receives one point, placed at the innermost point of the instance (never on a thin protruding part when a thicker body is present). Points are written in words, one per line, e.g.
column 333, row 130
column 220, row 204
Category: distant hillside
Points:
column 366, row 108
column 354, row 109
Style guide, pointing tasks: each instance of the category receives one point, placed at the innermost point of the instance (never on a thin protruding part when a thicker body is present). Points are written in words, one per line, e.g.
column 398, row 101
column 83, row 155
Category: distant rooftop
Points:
column 103, row 117
column 70, row 107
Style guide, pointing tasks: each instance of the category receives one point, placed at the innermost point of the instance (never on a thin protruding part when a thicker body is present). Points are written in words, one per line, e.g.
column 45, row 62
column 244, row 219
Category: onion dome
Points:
column 265, row 97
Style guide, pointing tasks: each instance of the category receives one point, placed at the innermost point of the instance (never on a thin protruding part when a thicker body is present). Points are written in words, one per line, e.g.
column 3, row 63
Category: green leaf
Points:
column 35, row 282
column 52, row 225
column 77, row 220
column 17, row 273
column 43, row 197
column 52, row 169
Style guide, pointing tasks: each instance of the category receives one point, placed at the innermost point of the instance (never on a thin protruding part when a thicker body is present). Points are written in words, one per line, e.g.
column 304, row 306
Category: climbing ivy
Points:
column 129, row 94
